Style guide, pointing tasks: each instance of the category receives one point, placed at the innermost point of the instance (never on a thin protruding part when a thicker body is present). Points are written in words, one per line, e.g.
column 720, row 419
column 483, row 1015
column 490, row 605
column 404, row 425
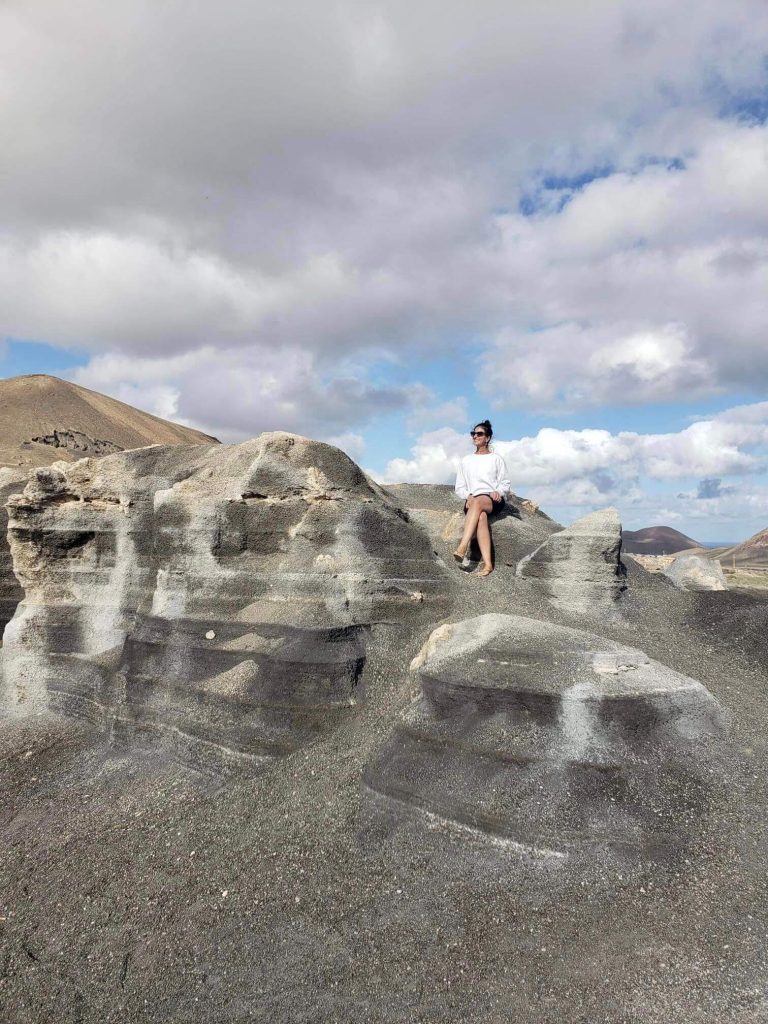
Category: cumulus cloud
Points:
column 345, row 181
column 236, row 394
column 642, row 285
column 585, row 469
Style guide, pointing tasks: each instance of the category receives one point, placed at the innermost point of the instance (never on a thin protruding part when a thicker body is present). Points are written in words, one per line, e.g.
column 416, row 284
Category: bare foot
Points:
column 486, row 570
column 460, row 555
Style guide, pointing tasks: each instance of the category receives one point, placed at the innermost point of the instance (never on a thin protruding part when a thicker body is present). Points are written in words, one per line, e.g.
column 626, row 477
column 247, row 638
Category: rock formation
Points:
column 695, row 572
column 11, row 481
column 222, row 787
column 550, row 737
column 78, row 443
column 580, row 569
column 219, row 599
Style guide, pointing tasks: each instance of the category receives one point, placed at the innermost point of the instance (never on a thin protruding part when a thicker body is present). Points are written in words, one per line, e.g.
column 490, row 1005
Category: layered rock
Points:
column 11, row 481
column 695, row 572
column 551, row 738
column 580, row 568
column 517, row 531
column 221, row 599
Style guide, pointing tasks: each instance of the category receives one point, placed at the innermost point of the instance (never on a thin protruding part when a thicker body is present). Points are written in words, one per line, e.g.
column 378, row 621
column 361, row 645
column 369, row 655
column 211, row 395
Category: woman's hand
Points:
column 495, row 496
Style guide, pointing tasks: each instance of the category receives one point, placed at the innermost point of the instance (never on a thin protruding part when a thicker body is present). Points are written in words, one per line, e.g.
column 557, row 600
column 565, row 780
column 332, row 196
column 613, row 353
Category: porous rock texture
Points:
column 218, row 599
column 553, row 738
column 580, row 568
column 695, row 572
column 11, row 481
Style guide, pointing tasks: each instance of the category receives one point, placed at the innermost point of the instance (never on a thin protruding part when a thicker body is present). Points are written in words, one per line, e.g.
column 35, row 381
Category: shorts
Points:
column 497, row 505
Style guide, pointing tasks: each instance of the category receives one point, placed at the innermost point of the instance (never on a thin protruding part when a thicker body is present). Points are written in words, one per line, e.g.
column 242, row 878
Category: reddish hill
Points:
column 656, row 540
column 44, row 419
column 750, row 553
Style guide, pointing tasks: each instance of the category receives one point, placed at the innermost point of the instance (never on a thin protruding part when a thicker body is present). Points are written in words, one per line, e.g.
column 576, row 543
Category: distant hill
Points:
column 44, row 420
column 751, row 552
column 656, row 540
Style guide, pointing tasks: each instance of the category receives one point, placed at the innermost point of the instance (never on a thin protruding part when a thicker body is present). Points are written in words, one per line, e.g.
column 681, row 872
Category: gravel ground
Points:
column 134, row 889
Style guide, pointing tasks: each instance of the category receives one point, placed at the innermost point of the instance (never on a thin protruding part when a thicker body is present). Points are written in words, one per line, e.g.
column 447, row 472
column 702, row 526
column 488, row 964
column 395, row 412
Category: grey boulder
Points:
column 695, row 572
column 552, row 739
column 580, row 569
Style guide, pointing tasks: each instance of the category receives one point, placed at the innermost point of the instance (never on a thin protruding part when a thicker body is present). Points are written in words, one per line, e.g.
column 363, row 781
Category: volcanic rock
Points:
column 580, row 568
column 195, row 613
column 552, row 738
column 222, row 600
column 11, row 481
column 78, row 443
column 695, row 572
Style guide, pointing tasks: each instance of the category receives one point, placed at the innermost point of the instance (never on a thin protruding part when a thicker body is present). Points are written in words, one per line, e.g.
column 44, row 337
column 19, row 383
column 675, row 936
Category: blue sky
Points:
column 377, row 224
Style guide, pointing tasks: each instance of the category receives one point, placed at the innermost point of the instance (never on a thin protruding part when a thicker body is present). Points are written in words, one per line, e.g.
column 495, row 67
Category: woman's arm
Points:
column 462, row 487
column 503, row 484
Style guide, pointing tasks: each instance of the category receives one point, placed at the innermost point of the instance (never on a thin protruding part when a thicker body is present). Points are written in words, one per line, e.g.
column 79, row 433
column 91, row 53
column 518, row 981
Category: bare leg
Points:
column 484, row 540
column 475, row 505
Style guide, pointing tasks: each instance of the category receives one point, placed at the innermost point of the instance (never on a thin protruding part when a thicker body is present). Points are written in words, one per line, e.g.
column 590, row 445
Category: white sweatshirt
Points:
column 482, row 474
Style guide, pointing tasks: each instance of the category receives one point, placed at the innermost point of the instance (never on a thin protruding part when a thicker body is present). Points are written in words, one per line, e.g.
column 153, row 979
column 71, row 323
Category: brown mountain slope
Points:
column 751, row 552
column 656, row 540
column 44, row 419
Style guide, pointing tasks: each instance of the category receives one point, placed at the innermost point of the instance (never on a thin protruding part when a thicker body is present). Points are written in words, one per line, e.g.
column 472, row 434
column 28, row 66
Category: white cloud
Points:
column 331, row 180
column 237, row 393
column 582, row 469
column 644, row 286
column 431, row 412
column 352, row 444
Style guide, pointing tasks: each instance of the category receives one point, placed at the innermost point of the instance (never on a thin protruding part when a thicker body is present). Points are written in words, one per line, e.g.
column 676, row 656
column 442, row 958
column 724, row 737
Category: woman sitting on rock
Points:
column 482, row 481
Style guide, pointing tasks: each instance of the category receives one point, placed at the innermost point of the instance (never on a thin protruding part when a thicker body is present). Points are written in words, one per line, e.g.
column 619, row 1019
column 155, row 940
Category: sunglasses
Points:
column 477, row 433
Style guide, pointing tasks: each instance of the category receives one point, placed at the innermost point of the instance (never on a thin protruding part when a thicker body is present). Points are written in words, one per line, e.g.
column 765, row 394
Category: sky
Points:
column 377, row 223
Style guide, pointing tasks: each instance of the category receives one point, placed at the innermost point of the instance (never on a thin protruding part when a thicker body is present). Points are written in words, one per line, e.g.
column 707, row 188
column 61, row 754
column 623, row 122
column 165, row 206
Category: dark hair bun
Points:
column 486, row 425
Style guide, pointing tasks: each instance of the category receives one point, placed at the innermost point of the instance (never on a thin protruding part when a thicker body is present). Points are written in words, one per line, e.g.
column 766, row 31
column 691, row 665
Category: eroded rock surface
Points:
column 551, row 738
column 580, row 568
column 11, row 481
column 695, row 572
column 220, row 599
